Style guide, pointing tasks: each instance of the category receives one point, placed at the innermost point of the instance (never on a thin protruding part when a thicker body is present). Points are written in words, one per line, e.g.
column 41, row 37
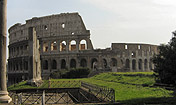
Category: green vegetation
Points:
column 72, row 73
column 133, row 88
column 165, row 61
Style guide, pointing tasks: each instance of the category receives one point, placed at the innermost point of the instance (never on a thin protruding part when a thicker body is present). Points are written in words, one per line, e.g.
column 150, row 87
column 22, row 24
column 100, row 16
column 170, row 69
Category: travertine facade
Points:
column 65, row 43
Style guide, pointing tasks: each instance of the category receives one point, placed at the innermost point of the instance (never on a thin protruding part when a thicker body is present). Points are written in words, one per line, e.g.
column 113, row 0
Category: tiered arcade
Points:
column 65, row 43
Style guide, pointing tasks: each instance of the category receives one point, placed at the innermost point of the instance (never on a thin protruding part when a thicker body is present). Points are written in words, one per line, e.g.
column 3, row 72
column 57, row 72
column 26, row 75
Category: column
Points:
column 67, row 45
column 58, row 46
column 148, row 67
column 77, row 45
column 89, row 44
column 131, row 69
column 100, row 62
column 137, row 65
column 58, row 62
column 49, row 46
column 4, row 98
column 49, row 65
column 88, row 63
column 143, row 65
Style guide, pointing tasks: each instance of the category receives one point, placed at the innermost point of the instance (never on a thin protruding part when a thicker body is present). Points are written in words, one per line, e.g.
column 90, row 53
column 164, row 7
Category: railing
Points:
column 103, row 93
column 61, row 84
column 64, row 92
column 38, row 98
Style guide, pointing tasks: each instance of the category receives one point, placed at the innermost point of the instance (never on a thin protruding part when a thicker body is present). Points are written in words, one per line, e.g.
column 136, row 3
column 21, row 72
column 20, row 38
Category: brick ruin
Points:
column 65, row 43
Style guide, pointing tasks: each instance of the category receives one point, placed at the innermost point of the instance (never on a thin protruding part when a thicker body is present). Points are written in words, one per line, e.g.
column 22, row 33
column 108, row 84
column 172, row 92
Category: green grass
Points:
column 131, row 87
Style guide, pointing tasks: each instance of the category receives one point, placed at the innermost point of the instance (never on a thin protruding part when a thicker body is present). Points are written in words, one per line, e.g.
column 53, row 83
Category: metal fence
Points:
column 103, row 93
column 64, row 92
column 60, row 84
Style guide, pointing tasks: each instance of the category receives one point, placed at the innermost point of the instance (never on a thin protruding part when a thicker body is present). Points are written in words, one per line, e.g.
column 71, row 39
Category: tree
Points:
column 165, row 62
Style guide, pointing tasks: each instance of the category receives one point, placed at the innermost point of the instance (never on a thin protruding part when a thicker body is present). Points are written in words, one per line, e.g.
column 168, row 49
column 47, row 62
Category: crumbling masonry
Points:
column 65, row 43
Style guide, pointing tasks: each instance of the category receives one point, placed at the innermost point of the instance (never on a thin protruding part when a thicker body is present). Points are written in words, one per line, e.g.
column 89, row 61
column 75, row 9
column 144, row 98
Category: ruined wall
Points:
column 65, row 43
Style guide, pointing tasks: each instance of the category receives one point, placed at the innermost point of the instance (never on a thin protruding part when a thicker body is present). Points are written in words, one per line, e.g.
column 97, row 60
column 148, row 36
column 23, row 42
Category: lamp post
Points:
column 4, row 98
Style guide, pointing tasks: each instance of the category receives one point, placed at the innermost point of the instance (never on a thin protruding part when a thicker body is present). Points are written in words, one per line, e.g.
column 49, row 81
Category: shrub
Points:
column 72, row 73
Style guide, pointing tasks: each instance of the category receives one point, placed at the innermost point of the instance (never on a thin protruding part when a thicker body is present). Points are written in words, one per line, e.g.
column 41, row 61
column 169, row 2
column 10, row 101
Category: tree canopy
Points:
column 165, row 62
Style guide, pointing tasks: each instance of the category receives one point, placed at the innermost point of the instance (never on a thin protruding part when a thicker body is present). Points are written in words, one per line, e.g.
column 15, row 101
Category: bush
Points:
column 72, row 73
column 165, row 62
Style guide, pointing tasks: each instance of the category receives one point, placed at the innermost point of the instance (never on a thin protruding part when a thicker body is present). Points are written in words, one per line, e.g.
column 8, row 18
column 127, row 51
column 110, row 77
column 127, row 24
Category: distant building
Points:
column 65, row 43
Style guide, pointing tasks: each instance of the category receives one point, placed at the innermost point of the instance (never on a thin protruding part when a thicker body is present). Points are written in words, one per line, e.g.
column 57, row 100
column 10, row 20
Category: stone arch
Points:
column 63, row 64
column 105, row 64
column 72, row 45
column 94, row 63
column 127, row 63
column 133, row 64
column 83, row 45
column 145, row 64
column 45, row 64
column 54, row 64
column 72, row 63
column 54, row 46
column 140, row 64
column 114, row 62
column 63, row 45
column 83, row 63
column 45, row 47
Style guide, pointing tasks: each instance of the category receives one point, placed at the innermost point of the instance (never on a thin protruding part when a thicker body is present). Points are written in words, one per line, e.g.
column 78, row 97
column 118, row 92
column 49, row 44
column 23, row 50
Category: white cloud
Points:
column 165, row 2
column 148, row 21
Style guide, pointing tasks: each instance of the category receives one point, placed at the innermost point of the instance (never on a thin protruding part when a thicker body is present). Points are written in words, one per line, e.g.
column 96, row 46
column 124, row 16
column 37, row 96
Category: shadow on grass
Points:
column 150, row 101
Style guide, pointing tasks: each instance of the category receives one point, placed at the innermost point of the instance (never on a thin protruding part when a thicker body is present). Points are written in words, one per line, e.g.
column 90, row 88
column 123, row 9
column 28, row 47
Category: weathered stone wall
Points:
column 65, row 43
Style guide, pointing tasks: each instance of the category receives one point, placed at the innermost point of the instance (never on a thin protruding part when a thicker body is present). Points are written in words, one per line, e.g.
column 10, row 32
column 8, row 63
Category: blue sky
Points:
column 110, row 21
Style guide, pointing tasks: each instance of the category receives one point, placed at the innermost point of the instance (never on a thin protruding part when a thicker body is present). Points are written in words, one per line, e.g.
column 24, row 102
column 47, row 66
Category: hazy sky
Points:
column 110, row 21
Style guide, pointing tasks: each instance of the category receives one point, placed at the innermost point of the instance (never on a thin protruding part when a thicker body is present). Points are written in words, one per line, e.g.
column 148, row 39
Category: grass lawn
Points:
column 133, row 88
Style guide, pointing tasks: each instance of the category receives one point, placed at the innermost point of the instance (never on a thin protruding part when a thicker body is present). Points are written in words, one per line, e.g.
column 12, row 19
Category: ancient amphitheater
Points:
column 65, row 43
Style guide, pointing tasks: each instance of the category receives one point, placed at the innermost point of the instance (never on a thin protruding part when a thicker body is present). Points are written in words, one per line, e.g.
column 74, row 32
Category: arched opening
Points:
column 72, row 63
column 45, row 27
column 26, row 65
column 17, row 68
column 83, row 63
column 127, row 64
column 140, row 64
column 134, row 64
column 45, row 64
column 20, row 64
column 17, row 50
column 14, row 68
column 45, row 47
column 113, row 62
column 53, row 46
column 145, row 64
column 72, row 45
column 63, row 25
column 63, row 45
column 54, row 64
column 63, row 64
column 105, row 64
column 133, row 54
column 94, row 62
column 83, row 45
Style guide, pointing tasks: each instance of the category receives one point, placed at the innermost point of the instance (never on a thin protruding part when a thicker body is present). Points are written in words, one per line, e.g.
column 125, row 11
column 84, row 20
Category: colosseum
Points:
column 65, row 43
